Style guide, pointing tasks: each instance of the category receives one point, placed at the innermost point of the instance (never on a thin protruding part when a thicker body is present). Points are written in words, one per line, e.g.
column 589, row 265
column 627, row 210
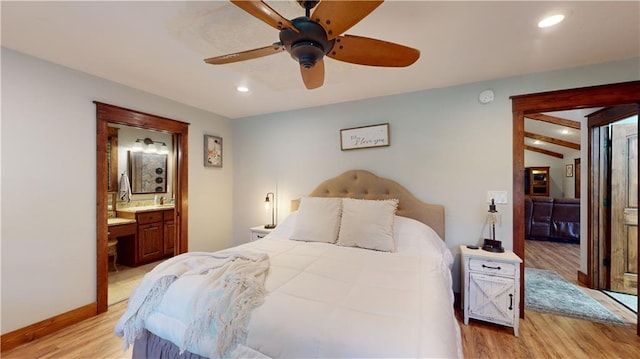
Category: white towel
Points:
column 125, row 188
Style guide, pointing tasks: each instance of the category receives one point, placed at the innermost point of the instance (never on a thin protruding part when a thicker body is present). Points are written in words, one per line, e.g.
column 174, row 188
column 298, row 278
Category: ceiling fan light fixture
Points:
column 307, row 53
column 550, row 21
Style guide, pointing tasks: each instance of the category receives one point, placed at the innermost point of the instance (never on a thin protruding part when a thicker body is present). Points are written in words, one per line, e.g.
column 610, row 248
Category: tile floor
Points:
column 125, row 280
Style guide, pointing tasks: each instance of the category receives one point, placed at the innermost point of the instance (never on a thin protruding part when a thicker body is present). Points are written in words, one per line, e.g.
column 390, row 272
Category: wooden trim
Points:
column 583, row 279
column 555, row 141
column 106, row 114
column 585, row 97
column 611, row 114
column 40, row 329
column 518, row 197
column 595, row 96
column 554, row 120
column 545, row 152
column 113, row 162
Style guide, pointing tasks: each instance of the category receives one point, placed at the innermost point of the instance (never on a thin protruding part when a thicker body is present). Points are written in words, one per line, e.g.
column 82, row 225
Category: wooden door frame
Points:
column 594, row 96
column 106, row 114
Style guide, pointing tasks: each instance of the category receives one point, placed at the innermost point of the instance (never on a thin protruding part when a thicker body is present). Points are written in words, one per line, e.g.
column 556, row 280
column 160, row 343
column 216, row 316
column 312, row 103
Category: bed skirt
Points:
column 150, row 345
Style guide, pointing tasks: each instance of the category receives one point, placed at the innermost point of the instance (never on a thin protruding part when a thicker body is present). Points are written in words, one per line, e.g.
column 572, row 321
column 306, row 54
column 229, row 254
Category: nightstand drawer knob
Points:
column 485, row 266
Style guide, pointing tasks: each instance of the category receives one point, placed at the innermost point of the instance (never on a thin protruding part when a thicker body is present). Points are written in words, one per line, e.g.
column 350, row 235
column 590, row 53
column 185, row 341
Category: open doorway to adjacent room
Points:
column 604, row 96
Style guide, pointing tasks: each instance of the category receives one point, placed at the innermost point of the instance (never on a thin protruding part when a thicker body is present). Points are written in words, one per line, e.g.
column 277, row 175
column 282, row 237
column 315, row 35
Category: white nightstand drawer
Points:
column 257, row 235
column 492, row 267
column 259, row 232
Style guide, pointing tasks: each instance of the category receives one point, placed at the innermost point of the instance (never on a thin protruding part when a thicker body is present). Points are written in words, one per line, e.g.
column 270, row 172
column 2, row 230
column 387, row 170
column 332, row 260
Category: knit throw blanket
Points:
column 233, row 286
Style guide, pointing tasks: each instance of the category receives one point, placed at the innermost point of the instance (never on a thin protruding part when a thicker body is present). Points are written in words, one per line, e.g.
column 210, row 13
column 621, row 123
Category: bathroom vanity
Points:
column 155, row 234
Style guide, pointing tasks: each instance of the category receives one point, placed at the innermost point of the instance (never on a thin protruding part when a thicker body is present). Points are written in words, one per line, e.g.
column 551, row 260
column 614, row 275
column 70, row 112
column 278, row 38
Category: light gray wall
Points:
column 48, row 214
column 446, row 148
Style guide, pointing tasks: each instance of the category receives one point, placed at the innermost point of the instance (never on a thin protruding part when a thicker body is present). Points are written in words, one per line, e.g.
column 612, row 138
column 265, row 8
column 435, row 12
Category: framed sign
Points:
column 364, row 137
column 569, row 170
column 212, row 151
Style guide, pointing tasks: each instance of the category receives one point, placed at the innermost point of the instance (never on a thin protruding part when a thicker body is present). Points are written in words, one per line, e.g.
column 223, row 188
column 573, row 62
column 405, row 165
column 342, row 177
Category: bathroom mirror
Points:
column 148, row 172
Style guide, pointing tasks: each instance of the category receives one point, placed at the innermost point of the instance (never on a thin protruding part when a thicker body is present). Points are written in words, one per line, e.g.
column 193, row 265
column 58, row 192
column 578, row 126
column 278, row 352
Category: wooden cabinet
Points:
column 491, row 286
column 536, row 181
column 154, row 239
column 169, row 233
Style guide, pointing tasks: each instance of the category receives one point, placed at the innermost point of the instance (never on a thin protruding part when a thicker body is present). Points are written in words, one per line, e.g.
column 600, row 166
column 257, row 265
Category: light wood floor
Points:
column 550, row 336
column 125, row 280
column 541, row 335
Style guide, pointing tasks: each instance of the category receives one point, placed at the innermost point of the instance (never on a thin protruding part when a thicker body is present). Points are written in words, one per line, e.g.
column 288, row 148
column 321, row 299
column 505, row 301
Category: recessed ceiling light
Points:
column 537, row 142
column 242, row 89
column 551, row 20
column 565, row 131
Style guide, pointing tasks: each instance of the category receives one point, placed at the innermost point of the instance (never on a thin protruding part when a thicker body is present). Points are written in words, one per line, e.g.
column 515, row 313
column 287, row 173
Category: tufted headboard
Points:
column 362, row 184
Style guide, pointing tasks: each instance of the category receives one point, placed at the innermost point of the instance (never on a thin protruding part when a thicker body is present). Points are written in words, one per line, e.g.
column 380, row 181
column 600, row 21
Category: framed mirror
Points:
column 148, row 172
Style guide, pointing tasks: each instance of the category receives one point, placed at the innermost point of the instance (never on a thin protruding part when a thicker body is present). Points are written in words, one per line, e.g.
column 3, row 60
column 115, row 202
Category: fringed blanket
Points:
column 234, row 285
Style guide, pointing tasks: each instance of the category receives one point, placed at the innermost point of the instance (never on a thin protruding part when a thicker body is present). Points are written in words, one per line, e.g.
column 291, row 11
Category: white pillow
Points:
column 368, row 224
column 318, row 220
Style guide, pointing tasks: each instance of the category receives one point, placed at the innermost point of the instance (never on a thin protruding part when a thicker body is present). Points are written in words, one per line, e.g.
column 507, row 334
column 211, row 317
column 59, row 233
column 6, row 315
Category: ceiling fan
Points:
column 309, row 38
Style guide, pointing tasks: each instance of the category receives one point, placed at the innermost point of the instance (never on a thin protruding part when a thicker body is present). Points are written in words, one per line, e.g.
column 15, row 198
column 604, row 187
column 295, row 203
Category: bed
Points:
column 359, row 269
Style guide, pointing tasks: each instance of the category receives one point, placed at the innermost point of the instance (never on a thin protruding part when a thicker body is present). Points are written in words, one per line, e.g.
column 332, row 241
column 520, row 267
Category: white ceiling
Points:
column 159, row 47
column 557, row 131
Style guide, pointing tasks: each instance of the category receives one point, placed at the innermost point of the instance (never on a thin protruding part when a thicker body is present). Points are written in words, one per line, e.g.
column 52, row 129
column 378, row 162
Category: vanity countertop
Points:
column 119, row 221
column 147, row 208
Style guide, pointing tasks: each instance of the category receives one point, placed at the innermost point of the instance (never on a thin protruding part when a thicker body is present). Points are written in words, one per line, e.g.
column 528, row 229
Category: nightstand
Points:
column 491, row 286
column 259, row 232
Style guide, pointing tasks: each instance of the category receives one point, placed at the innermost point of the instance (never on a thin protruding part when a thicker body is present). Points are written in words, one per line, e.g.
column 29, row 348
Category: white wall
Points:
column 446, row 148
column 49, row 184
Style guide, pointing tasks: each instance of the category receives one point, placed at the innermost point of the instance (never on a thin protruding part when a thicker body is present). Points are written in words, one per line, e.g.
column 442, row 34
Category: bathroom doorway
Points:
column 109, row 114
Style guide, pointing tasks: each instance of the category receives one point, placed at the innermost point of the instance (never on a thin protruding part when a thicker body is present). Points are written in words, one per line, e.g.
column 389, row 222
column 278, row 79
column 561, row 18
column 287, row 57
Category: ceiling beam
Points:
column 555, row 141
column 554, row 120
column 546, row 152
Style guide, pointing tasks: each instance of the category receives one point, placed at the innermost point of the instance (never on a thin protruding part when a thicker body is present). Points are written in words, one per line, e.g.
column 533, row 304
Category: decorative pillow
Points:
column 318, row 220
column 368, row 224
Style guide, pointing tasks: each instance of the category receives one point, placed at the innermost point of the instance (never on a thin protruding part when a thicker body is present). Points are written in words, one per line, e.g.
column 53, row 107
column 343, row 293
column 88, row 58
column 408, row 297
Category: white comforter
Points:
column 328, row 301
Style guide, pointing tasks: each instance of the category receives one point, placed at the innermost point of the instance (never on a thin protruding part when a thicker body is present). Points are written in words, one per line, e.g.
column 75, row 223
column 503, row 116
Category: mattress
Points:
column 325, row 300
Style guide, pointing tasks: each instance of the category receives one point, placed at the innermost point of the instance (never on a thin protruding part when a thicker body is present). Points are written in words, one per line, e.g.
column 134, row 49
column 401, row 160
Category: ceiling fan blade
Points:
column 336, row 17
column 365, row 51
column 265, row 13
column 246, row 55
column 313, row 77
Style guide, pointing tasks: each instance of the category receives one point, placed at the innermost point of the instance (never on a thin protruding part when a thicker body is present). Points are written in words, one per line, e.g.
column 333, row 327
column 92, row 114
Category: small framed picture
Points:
column 569, row 170
column 212, row 151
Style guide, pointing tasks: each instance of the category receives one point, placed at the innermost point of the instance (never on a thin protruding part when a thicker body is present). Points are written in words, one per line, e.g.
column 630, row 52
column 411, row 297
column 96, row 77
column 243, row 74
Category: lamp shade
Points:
column 269, row 203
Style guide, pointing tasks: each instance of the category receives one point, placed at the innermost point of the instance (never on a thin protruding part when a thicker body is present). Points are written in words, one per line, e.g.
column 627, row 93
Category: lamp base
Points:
column 493, row 246
column 269, row 226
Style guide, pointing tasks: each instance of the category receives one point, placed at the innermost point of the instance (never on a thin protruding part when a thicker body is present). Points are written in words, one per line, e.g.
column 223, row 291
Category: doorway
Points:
column 108, row 114
column 596, row 96
column 614, row 139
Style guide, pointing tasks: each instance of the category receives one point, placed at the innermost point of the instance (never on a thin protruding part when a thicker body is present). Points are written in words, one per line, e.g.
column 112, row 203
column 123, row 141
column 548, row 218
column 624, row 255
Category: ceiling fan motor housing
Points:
column 309, row 45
